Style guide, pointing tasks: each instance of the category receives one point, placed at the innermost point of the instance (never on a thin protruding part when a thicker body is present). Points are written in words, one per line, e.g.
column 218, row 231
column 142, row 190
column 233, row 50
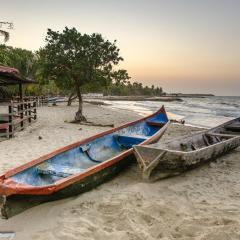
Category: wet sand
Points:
column 200, row 204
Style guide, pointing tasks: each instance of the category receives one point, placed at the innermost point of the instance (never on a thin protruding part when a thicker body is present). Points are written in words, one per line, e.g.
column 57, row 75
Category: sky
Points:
column 188, row 46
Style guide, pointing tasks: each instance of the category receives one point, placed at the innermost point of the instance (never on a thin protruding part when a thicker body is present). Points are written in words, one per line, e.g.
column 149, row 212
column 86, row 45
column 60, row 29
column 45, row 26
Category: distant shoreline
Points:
column 137, row 98
column 190, row 95
column 165, row 98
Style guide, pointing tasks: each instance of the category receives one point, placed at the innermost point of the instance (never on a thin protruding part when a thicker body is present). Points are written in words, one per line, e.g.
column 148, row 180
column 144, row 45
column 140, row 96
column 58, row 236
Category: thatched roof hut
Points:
column 11, row 76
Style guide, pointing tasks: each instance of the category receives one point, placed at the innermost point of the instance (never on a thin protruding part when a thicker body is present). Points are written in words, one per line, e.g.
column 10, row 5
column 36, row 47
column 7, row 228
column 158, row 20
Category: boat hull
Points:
column 157, row 161
column 171, row 163
column 15, row 204
column 18, row 196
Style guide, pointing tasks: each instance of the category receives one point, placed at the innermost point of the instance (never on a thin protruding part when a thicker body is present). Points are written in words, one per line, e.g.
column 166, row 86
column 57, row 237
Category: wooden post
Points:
column 35, row 110
column 18, row 109
column 10, row 120
column 29, row 113
column 25, row 104
column 21, row 115
column 20, row 92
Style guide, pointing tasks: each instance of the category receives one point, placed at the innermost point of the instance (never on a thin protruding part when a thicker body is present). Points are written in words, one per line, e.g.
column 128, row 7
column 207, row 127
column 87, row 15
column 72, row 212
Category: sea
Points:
column 204, row 112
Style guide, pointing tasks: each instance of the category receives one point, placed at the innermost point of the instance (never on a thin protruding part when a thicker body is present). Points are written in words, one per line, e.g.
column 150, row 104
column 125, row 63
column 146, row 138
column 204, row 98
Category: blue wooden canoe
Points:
column 78, row 167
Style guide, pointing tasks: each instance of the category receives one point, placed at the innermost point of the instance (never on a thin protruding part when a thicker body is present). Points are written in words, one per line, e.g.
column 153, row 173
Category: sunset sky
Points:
column 190, row 46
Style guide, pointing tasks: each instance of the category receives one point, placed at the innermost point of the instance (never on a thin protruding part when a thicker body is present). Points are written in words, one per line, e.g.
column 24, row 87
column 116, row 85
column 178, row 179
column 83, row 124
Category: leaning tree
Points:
column 73, row 59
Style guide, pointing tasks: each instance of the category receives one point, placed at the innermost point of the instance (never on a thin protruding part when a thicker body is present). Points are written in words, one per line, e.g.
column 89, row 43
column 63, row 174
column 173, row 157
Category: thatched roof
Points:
column 11, row 76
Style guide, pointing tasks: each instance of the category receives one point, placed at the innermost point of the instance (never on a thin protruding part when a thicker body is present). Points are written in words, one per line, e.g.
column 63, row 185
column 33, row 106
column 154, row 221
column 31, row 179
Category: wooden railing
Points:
column 20, row 114
column 40, row 100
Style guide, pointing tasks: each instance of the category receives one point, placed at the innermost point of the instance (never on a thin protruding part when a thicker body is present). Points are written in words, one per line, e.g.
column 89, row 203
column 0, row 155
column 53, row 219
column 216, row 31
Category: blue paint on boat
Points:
column 158, row 119
column 78, row 159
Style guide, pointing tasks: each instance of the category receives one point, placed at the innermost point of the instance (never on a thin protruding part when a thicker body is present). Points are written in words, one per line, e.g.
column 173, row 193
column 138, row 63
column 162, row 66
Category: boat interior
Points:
column 204, row 139
column 82, row 157
column 232, row 128
column 196, row 142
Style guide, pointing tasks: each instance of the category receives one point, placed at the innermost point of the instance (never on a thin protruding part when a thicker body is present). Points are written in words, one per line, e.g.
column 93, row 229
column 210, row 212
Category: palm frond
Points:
column 5, row 35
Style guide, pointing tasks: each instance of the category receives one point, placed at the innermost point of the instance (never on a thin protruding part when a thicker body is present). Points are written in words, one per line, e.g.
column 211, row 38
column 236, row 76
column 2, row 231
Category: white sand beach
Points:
column 202, row 204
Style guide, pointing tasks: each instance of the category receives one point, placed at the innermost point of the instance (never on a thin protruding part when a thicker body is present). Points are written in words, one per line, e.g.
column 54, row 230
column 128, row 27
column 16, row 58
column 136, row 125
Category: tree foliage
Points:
column 73, row 60
column 72, row 63
column 126, row 88
column 21, row 59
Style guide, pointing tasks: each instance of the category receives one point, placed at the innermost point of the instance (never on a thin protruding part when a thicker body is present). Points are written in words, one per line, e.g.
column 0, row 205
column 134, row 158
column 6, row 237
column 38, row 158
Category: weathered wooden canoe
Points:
column 172, row 158
column 78, row 167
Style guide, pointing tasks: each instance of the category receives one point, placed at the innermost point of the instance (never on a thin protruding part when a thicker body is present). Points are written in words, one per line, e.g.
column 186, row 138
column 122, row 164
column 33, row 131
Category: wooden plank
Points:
column 4, row 134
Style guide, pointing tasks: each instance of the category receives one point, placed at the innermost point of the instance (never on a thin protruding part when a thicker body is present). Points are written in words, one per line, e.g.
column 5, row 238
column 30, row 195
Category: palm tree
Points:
column 4, row 33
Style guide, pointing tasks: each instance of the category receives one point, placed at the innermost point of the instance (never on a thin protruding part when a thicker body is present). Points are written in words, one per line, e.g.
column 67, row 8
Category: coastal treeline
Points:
column 28, row 63
column 72, row 63
column 134, row 89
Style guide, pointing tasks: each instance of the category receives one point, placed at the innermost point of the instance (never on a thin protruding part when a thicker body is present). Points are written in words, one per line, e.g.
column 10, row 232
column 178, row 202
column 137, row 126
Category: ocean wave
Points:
column 206, row 112
column 230, row 104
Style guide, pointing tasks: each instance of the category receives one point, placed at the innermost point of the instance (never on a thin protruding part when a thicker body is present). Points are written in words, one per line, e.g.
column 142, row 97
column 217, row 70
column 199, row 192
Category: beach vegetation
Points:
column 70, row 64
column 73, row 59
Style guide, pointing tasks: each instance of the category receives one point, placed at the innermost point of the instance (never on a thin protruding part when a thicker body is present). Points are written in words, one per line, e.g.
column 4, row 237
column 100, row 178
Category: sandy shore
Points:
column 200, row 204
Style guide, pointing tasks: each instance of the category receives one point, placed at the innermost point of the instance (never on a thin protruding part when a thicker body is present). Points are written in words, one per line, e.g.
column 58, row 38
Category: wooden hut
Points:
column 19, row 112
column 11, row 76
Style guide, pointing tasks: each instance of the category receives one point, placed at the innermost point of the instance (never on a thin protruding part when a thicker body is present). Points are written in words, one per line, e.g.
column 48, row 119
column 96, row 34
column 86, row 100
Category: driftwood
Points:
column 96, row 124
column 92, row 124
column 177, row 121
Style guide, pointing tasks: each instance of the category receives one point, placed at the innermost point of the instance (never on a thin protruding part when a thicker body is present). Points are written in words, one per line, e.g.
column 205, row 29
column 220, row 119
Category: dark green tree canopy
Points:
column 73, row 59
column 19, row 58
